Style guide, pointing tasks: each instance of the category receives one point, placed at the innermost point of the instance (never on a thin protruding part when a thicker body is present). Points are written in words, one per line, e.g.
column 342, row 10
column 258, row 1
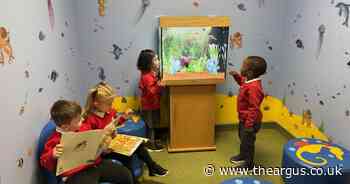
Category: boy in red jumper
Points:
column 249, row 99
column 67, row 117
column 147, row 63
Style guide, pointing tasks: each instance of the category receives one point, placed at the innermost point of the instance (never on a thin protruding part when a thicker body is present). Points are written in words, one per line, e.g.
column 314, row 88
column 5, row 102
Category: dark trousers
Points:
column 247, row 138
column 152, row 120
column 141, row 152
column 107, row 171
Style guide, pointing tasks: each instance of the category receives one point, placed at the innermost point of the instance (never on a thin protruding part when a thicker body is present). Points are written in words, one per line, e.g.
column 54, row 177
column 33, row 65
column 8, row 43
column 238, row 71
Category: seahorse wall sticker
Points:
column 101, row 7
column 316, row 149
column 6, row 53
column 344, row 11
column 321, row 32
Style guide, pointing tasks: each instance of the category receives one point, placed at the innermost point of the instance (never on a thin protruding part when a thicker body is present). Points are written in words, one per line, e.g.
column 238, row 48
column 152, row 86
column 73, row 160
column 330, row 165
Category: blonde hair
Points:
column 101, row 92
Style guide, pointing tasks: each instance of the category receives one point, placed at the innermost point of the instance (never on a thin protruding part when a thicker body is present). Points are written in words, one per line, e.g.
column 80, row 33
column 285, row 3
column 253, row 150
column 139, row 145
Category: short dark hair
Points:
column 257, row 65
column 63, row 111
column 144, row 62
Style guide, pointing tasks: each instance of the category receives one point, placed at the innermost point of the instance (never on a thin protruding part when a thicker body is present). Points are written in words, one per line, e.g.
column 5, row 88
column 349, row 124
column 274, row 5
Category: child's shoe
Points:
column 157, row 170
column 238, row 159
column 245, row 167
column 152, row 147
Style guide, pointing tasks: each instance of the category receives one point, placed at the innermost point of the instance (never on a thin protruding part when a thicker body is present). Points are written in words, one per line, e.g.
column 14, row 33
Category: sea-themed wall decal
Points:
column 299, row 16
column 42, row 36
column 307, row 118
column 344, row 12
column 101, row 7
column 101, row 73
column 21, row 110
column 230, row 94
column 29, row 152
column 145, row 4
column 6, row 52
column 124, row 100
column 268, row 45
column 117, row 51
column 236, row 40
column 51, row 14
column 53, row 76
column 321, row 102
column 20, row 163
column 26, row 74
column 299, row 43
column 241, row 7
column 261, row 3
column 321, row 33
column 195, row 3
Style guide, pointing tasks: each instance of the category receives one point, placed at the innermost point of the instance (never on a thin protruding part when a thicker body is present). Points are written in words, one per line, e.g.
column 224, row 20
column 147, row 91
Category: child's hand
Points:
column 107, row 151
column 58, row 151
column 107, row 140
column 110, row 131
column 233, row 73
column 128, row 112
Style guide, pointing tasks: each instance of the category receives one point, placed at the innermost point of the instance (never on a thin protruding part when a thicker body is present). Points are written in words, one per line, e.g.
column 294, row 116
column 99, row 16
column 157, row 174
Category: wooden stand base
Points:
column 192, row 118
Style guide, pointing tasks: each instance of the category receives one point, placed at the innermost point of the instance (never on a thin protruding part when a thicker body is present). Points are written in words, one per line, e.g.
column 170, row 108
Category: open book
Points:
column 83, row 148
column 80, row 148
column 126, row 144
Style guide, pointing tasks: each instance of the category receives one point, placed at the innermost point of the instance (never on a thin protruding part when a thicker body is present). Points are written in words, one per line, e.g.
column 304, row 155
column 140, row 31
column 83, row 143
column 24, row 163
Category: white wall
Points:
column 321, row 79
column 24, row 20
column 257, row 24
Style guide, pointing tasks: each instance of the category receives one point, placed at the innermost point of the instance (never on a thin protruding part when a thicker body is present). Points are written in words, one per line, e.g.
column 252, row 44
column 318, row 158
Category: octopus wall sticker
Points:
column 6, row 52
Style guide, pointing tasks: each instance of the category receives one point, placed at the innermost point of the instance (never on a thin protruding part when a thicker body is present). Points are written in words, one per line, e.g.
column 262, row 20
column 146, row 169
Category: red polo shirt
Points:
column 249, row 99
column 150, row 91
column 99, row 120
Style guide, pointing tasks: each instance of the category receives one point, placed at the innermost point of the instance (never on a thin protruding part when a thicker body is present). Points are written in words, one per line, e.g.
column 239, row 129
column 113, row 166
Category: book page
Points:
column 126, row 144
column 79, row 148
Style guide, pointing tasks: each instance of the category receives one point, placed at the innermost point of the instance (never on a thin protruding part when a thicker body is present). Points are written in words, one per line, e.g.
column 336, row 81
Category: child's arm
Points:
column 52, row 151
column 86, row 125
column 238, row 78
column 153, row 87
column 255, row 97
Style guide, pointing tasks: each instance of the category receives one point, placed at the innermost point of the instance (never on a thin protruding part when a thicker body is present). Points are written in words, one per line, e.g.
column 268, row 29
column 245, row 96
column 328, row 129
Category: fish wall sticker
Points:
column 117, row 51
column 241, row 7
column 344, row 12
column 321, row 32
column 6, row 52
column 195, row 3
column 51, row 14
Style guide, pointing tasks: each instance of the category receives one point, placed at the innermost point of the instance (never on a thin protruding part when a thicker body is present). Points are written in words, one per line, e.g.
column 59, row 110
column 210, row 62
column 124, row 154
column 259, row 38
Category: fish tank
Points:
column 193, row 52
